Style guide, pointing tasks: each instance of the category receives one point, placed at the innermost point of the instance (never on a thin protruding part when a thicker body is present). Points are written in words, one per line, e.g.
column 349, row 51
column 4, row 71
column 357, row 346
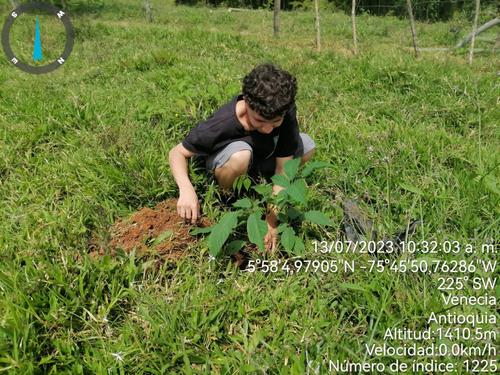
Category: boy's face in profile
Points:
column 261, row 124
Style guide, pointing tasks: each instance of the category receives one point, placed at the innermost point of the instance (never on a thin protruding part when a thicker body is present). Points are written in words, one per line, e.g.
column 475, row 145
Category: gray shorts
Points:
column 264, row 167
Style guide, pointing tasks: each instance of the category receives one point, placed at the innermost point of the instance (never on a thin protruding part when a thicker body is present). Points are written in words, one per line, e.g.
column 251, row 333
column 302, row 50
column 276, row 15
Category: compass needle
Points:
column 55, row 50
column 37, row 49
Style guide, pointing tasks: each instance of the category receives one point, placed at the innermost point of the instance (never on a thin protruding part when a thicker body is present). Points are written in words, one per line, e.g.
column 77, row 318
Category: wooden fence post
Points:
column 354, row 35
column 412, row 25
column 149, row 10
column 318, row 32
column 276, row 18
column 474, row 27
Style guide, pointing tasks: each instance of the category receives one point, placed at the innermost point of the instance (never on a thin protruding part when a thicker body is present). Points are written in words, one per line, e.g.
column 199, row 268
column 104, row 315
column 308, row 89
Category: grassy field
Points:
column 89, row 143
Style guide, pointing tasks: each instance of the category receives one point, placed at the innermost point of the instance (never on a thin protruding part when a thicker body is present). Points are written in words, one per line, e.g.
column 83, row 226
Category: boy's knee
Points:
column 239, row 161
column 308, row 147
column 235, row 166
column 308, row 155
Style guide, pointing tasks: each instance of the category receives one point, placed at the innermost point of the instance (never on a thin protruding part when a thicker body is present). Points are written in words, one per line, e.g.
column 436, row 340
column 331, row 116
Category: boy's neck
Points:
column 241, row 115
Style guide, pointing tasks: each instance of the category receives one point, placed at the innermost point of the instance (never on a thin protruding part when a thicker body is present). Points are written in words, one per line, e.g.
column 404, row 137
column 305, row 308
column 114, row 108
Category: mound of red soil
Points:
column 159, row 230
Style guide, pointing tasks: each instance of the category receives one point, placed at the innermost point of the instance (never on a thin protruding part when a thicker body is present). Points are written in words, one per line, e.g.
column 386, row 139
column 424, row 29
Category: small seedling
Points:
column 290, row 204
column 242, row 184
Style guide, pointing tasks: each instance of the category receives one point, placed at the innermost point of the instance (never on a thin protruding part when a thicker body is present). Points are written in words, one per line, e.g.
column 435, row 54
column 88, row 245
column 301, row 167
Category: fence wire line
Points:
column 404, row 5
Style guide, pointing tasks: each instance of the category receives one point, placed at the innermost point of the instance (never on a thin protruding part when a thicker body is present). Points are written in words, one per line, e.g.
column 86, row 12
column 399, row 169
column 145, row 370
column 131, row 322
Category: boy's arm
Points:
column 187, row 205
column 271, row 217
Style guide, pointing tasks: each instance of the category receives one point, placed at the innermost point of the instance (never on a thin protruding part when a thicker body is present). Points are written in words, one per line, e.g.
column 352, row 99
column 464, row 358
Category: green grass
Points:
column 89, row 143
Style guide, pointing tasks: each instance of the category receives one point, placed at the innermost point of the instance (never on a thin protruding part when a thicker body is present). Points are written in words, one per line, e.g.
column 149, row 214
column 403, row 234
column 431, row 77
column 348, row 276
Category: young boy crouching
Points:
column 255, row 134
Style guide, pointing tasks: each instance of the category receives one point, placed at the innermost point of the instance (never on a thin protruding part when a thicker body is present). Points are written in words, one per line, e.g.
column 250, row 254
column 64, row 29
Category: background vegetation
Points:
column 429, row 10
column 88, row 144
column 425, row 10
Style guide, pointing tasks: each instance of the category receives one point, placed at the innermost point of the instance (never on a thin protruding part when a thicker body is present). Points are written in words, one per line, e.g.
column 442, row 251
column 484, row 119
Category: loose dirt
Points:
column 157, row 231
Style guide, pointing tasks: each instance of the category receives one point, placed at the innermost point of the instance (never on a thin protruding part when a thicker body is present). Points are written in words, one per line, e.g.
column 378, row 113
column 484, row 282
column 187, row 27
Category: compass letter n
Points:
column 60, row 14
column 60, row 60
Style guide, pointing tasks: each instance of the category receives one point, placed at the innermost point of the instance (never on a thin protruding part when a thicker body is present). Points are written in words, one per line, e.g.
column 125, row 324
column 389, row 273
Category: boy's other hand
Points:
column 271, row 238
column 188, row 206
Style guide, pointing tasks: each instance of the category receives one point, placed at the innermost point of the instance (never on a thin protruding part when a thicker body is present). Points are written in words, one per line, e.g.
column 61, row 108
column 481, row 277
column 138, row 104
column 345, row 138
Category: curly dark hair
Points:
column 269, row 90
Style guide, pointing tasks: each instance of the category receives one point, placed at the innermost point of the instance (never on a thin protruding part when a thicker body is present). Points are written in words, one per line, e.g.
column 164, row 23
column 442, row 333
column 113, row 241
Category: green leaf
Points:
column 317, row 217
column 247, row 183
column 265, row 190
column 312, row 166
column 257, row 229
column 254, row 341
column 281, row 180
column 411, row 188
column 234, row 246
column 491, row 184
column 282, row 217
column 243, row 203
column 299, row 247
column 297, row 191
column 293, row 214
column 242, row 182
column 237, row 184
column 288, row 239
column 281, row 227
column 220, row 232
column 162, row 237
column 292, row 167
column 197, row 230
column 282, row 196
column 352, row 287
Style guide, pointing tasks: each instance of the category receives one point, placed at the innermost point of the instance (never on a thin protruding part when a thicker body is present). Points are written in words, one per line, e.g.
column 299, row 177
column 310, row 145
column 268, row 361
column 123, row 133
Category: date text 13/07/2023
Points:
column 411, row 247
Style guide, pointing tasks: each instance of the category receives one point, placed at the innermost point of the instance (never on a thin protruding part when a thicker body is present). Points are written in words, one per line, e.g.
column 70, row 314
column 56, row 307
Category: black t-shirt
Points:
column 223, row 127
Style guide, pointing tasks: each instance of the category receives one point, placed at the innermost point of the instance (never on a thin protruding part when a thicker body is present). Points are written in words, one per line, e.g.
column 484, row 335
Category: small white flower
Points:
column 118, row 356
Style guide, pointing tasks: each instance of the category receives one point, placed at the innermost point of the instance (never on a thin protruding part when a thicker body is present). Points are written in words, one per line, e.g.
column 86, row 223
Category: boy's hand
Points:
column 271, row 238
column 188, row 206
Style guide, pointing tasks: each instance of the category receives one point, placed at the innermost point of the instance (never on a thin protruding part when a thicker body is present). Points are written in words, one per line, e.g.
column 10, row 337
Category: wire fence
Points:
column 409, row 7
column 412, row 10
